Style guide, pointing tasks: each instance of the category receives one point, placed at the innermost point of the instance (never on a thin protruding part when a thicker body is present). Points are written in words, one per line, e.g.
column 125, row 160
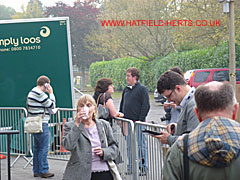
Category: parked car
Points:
column 158, row 98
column 197, row 77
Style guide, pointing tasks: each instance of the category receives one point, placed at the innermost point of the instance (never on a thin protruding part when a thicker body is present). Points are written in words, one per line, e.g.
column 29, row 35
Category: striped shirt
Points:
column 38, row 101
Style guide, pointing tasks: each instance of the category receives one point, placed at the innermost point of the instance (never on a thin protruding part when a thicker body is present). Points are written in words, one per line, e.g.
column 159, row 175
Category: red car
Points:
column 197, row 77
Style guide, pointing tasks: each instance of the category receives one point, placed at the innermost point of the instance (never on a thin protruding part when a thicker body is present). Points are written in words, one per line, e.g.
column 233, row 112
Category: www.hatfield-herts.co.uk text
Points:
column 133, row 23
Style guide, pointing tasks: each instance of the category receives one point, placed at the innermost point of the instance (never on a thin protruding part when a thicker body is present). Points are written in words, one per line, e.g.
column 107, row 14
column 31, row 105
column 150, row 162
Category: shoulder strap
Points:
column 104, row 97
column 185, row 157
column 105, row 136
column 98, row 98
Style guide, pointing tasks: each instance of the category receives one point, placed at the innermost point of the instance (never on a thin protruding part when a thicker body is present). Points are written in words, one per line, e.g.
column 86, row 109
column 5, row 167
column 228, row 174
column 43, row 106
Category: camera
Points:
column 166, row 117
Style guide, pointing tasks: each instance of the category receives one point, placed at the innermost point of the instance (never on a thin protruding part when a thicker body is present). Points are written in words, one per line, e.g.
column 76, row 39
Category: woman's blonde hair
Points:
column 83, row 100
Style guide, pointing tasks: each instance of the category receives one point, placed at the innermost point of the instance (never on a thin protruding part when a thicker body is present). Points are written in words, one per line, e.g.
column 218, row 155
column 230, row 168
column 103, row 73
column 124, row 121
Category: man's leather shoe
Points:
column 47, row 175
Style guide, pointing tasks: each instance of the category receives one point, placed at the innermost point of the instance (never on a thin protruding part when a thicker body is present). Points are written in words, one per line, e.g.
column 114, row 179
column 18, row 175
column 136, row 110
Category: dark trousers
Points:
column 106, row 175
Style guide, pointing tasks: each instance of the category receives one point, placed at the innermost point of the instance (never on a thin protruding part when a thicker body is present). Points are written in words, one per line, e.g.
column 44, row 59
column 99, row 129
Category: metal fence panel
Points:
column 137, row 149
column 123, row 132
column 14, row 118
column 150, row 150
column 56, row 124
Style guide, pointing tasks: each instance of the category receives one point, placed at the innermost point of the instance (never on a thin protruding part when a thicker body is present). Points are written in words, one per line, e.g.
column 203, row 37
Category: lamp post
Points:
column 232, row 58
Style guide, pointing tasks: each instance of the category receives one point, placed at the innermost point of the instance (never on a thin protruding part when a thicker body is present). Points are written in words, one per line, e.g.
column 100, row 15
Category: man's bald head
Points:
column 215, row 96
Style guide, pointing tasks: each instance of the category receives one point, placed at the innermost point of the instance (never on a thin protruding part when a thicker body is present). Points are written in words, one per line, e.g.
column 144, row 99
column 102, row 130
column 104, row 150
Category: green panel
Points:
column 33, row 55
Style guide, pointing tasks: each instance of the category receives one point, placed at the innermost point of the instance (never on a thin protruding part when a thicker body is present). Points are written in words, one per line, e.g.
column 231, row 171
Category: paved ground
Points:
column 57, row 166
column 18, row 173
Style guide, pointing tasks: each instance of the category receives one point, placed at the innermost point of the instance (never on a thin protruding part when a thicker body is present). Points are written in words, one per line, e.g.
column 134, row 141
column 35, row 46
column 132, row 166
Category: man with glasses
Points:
column 213, row 147
column 174, row 87
column 171, row 109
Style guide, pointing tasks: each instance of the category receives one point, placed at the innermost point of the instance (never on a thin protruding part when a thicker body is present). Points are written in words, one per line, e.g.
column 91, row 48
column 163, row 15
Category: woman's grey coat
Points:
column 75, row 139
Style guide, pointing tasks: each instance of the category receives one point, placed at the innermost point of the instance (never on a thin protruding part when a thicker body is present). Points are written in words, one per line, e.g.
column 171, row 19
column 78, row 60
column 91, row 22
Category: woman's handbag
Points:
column 33, row 124
column 112, row 166
column 103, row 111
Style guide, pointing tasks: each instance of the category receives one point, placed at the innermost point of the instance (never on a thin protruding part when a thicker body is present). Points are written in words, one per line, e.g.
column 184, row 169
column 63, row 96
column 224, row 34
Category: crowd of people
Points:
column 202, row 134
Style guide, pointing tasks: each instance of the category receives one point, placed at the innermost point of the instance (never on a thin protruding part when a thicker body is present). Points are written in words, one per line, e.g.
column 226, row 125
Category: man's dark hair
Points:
column 178, row 70
column 102, row 85
column 42, row 80
column 214, row 99
column 134, row 72
column 169, row 80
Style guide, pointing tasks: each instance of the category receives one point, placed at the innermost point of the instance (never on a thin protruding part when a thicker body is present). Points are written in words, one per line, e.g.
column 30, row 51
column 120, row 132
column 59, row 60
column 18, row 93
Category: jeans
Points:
column 40, row 150
column 142, row 149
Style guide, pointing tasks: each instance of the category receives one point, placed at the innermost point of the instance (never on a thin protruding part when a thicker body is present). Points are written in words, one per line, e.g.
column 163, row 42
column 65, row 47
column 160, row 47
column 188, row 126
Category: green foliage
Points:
column 116, row 70
column 6, row 12
column 214, row 57
column 34, row 9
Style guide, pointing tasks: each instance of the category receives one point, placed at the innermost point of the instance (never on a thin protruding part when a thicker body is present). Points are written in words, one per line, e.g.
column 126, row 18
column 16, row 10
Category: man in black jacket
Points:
column 135, row 106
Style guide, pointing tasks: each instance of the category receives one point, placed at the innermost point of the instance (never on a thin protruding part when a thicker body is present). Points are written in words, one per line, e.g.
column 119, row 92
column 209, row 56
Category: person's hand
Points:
column 49, row 89
column 98, row 151
column 169, row 104
column 120, row 115
column 173, row 105
column 163, row 137
column 166, row 105
column 171, row 130
column 79, row 117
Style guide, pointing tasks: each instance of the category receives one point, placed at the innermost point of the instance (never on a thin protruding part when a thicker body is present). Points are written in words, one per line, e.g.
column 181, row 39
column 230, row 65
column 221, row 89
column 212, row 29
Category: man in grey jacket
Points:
column 173, row 86
column 214, row 145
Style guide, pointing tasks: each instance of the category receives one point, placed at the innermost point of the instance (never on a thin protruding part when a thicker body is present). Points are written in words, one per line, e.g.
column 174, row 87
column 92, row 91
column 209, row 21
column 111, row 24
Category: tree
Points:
column 34, row 10
column 206, row 13
column 152, row 41
column 134, row 40
column 237, row 20
column 6, row 12
column 83, row 17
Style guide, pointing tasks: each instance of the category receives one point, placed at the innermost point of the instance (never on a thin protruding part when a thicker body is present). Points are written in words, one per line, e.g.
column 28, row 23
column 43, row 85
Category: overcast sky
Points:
column 16, row 4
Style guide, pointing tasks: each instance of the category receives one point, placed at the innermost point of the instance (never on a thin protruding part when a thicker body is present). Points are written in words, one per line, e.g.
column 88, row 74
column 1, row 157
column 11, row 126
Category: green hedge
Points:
column 214, row 57
column 116, row 70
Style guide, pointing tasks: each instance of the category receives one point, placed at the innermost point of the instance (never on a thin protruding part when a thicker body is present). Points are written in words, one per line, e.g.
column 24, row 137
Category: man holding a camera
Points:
column 171, row 115
column 213, row 147
column 174, row 87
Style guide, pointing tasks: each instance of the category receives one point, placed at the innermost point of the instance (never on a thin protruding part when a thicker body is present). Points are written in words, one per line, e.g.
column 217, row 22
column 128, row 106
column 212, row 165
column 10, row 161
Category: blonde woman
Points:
column 85, row 138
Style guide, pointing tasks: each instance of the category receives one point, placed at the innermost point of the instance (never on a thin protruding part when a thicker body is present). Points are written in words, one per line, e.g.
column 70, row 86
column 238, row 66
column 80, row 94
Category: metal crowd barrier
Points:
column 13, row 118
column 123, row 132
column 142, row 154
column 134, row 146
column 150, row 152
column 139, row 151
column 56, row 123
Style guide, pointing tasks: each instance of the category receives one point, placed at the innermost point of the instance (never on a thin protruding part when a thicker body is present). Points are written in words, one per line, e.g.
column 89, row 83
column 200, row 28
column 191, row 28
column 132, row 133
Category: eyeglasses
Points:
column 169, row 96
